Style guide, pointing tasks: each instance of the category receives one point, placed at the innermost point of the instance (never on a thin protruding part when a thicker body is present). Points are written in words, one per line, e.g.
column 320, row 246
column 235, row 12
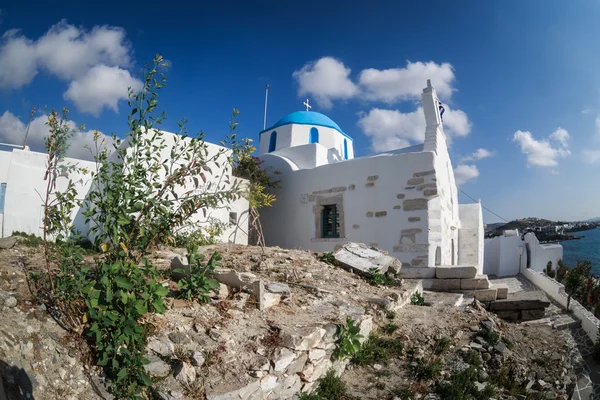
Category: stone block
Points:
column 417, row 272
column 522, row 301
column 282, row 358
column 301, row 338
column 509, row 315
column 415, row 204
column 479, row 282
column 414, row 219
column 455, row 271
column 297, row 365
column 400, row 195
column 481, row 295
column 415, row 181
column 441, row 284
column 528, row 315
column 360, row 258
column 7, row 243
column 424, row 173
column 430, row 192
column 372, row 177
column 370, row 184
column 502, row 290
column 427, row 186
column 397, row 207
column 380, row 213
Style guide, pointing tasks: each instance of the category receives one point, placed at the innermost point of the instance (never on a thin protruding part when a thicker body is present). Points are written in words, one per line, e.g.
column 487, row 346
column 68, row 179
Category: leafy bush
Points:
column 390, row 315
column 575, row 281
column 201, row 236
column 134, row 203
column 29, row 240
column 417, row 299
column 472, row 357
column 374, row 277
column 377, row 350
column 329, row 387
column 198, row 284
column 561, row 271
column 348, row 340
column 549, row 271
column 489, row 335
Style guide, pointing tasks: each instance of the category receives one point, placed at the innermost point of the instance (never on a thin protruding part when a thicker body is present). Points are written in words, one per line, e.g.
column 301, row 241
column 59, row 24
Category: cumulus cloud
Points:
column 393, row 129
column 478, row 154
column 396, row 84
column 101, row 87
column 591, row 156
column 544, row 152
column 464, row 173
column 73, row 55
column 326, row 79
column 12, row 130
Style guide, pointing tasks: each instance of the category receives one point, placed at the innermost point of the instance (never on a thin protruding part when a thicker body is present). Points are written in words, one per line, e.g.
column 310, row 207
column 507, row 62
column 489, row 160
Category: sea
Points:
column 586, row 248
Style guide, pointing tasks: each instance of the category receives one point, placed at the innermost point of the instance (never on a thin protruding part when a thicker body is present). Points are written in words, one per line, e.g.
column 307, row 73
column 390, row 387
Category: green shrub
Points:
column 442, row 345
column 461, row 386
column 377, row 350
column 198, row 284
column 561, row 271
column 549, row 271
column 348, row 342
column 390, row 315
column 29, row 240
column 201, row 236
column 489, row 335
column 403, row 393
column 328, row 258
column 472, row 357
column 417, row 299
column 375, row 278
column 329, row 387
column 389, row 328
column 422, row 370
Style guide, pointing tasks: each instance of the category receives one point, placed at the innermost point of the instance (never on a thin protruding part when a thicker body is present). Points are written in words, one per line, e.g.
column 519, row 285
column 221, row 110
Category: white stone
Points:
column 282, row 358
column 198, row 359
column 185, row 373
column 163, row 347
column 455, row 271
column 316, row 354
column 268, row 383
column 417, row 272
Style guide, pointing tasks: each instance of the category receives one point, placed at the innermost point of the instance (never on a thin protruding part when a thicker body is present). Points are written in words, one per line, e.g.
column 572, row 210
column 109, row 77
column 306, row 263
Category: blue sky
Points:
column 519, row 79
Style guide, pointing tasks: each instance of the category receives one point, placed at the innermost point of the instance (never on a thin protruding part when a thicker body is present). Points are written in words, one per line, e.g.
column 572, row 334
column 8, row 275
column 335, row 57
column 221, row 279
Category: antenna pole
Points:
column 28, row 125
column 266, row 97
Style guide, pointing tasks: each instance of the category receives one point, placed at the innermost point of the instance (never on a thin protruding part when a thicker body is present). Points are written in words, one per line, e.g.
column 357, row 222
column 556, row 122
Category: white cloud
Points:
column 585, row 111
column 543, row 153
column 464, row 173
column 101, row 87
column 395, row 84
column 71, row 54
column 555, row 172
column 12, row 130
column 392, row 129
column 478, row 154
column 597, row 124
column 327, row 79
column 591, row 156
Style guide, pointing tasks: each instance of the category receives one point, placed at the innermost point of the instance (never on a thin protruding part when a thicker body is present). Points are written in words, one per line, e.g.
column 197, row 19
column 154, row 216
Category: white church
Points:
column 403, row 201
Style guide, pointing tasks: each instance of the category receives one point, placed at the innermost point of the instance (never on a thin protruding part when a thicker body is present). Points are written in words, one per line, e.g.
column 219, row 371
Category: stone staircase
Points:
column 457, row 279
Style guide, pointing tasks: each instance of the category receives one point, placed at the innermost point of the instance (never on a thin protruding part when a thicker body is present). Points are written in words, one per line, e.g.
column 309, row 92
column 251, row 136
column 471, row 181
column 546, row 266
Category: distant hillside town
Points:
column 544, row 229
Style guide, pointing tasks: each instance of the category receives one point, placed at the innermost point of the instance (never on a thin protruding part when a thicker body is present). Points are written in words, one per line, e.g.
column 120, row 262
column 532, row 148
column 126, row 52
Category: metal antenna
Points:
column 28, row 125
column 266, row 97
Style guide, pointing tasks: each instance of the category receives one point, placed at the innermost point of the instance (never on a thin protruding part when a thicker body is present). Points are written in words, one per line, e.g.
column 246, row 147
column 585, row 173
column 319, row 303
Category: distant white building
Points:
column 510, row 254
column 22, row 183
column 403, row 201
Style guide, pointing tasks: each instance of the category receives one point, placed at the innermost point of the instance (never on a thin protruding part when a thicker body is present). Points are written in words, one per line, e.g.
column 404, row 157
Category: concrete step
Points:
column 565, row 321
column 442, row 298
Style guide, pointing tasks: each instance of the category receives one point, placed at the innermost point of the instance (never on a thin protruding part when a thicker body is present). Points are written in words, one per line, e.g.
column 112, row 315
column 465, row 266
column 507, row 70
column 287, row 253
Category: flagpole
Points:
column 266, row 97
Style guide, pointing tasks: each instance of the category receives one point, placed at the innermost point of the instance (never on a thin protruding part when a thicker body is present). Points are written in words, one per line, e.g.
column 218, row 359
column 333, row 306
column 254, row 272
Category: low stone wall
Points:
column 556, row 291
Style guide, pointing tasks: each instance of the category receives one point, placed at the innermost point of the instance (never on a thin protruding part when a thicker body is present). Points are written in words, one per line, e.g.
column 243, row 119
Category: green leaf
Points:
column 122, row 374
column 123, row 283
column 140, row 307
column 145, row 379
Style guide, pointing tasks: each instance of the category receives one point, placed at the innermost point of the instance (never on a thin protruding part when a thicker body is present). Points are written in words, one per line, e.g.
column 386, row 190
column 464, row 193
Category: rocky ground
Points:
column 231, row 349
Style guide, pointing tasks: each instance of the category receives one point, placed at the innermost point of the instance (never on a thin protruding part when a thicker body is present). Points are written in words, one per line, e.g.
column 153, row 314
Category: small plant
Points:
column 489, row 335
column 442, row 345
column 561, row 271
column 198, row 284
column 472, row 357
column 417, row 299
column 422, row 370
column 377, row 350
column 575, row 280
column 375, row 278
column 201, row 236
column 390, row 315
column 462, row 386
column 549, row 271
column 349, row 340
column 389, row 328
column 327, row 257
column 403, row 393
column 509, row 345
column 29, row 240
column 329, row 387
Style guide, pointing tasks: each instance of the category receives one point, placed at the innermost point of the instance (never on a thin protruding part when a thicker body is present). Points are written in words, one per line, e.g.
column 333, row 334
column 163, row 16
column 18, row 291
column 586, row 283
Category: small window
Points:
column 2, row 196
column 345, row 149
column 330, row 221
column 314, row 136
column 232, row 218
column 272, row 141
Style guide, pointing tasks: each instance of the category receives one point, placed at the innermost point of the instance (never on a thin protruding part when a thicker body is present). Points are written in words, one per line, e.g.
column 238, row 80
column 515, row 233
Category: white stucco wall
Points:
column 540, row 254
column 470, row 236
column 24, row 210
column 504, row 256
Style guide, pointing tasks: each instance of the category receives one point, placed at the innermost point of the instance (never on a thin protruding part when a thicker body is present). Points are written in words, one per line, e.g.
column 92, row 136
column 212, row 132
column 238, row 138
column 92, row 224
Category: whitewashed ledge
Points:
column 556, row 291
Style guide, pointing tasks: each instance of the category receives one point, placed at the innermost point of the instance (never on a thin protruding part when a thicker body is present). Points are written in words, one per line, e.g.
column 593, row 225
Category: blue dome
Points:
column 307, row 118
